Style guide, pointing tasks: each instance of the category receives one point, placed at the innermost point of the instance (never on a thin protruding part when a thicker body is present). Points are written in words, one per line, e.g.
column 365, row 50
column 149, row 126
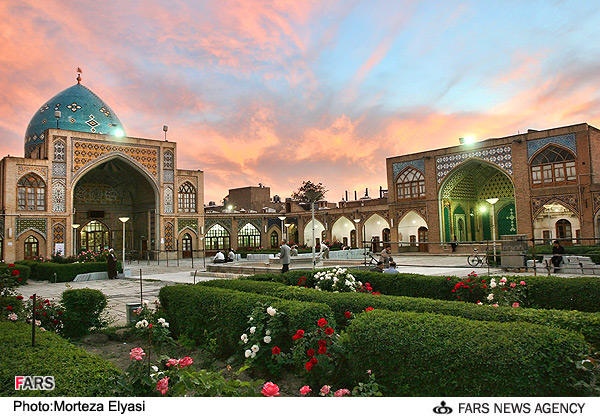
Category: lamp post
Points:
column 282, row 218
column 124, row 219
column 75, row 226
column 492, row 202
column 57, row 115
column 312, row 197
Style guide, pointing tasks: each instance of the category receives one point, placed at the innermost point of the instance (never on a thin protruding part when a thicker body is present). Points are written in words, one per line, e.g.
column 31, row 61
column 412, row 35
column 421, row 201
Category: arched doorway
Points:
column 411, row 225
column 217, row 238
column 308, row 232
column 374, row 227
column 186, row 246
column 556, row 221
column 113, row 188
column 94, row 237
column 564, row 232
column 32, row 247
column 423, row 238
column 341, row 231
column 464, row 208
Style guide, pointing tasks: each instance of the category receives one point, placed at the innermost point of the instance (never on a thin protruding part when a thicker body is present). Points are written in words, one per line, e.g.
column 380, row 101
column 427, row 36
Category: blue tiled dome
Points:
column 81, row 110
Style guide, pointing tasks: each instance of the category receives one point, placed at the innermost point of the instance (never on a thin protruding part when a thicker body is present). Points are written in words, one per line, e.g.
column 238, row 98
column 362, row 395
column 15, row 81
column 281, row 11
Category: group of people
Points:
column 386, row 263
column 220, row 257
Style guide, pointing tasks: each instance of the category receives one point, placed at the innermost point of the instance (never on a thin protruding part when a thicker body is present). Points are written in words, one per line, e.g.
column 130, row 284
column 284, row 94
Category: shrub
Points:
column 203, row 314
column 64, row 272
column 415, row 354
column 82, row 311
column 76, row 373
column 584, row 322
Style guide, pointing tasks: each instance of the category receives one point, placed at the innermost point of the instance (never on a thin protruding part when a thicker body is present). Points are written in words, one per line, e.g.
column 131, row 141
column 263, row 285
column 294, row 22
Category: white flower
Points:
column 267, row 339
column 166, row 325
column 252, row 355
column 254, row 348
column 155, row 368
column 490, row 296
column 251, row 319
column 493, row 284
column 248, row 353
column 480, row 303
column 141, row 324
column 13, row 316
column 243, row 337
column 252, row 330
column 161, row 320
column 271, row 311
column 268, row 332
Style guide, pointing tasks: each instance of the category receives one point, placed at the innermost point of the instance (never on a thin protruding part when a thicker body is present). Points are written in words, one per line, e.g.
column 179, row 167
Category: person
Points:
column 284, row 256
column 378, row 268
column 392, row 268
column 454, row 244
column 111, row 264
column 219, row 257
column 373, row 244
column 231, row 255
column 385, row 255
column 324, row 251
column 294, row 251
column 556, row 258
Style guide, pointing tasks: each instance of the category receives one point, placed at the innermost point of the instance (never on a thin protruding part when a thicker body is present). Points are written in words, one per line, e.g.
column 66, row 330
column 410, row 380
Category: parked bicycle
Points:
column 476, row 260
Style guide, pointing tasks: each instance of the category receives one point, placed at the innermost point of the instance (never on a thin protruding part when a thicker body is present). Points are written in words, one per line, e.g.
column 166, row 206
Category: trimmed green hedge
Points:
column 586, row 323
column 415, row 354
column 24, row 271
column 207, row 314
column 82, row 311
column 76, row 373
column 64, row 272
column 580, row 293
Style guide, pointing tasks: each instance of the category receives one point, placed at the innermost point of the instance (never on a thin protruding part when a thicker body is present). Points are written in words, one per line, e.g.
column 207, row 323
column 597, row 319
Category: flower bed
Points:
column 215, row 316
column 76, row 372
column 415, row 354
column 587, row 323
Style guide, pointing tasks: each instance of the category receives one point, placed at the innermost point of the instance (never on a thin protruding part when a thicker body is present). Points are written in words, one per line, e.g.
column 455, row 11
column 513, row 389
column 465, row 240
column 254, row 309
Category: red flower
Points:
column 11, row 265
column 347, row 314
column 44, row 313
column 276, row 350
column 308, row 366
column 310, row 352
column 329, row 331
column 20, row 297
column 299, row 334
column 15, row 272
column 314, row 361
column 370, row 308
column 10, row 308
column 322, row 349
column 322, row 322
column 322, row 343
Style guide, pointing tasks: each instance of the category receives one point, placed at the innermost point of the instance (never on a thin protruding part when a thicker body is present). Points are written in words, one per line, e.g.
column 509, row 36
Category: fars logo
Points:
column 34, row 382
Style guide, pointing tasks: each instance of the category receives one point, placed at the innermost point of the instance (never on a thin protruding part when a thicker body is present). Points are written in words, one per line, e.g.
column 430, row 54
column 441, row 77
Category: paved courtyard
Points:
column 154, row 276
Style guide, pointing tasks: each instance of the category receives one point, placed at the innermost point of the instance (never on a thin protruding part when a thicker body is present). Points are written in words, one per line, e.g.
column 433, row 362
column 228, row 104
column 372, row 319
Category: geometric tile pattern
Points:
column 59, row 193
column 498, row 186
column 58, row 234
column 168, row 199
column 42, row 171
column 85, row 152
column 421, row 211
column 566, row 141
column 225, row 223
column 59, row 169
column 39, row 225
column 596, row 199
column 169, row 236
column 257, row 222
column 187, row 223
column 397, row 168
column 500, row 156
column 570, row 201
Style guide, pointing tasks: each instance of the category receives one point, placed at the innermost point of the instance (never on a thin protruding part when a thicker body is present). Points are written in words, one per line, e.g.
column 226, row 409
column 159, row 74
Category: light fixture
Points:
column 492, row 201
column 467, row 140
column 57, row 115
column 282, row 218
column 75, row 226
column 124, row 219
column 165, row 129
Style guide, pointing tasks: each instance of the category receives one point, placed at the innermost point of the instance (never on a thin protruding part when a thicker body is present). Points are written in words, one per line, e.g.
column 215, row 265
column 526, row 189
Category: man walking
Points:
column 284, row 256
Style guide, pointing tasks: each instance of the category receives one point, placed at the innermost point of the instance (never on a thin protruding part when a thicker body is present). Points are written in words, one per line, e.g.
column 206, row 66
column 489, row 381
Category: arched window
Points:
column 32, row 248
column 217, row 238
column 94, row 236
column 31, row 193
column 274, row 239
column 187, row 198
column 410, row 184
column 563, row 229
column 249, row 236
column 553, row 166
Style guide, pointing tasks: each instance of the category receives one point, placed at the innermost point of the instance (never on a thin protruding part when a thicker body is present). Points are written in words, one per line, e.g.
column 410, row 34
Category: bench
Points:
column 570, row 264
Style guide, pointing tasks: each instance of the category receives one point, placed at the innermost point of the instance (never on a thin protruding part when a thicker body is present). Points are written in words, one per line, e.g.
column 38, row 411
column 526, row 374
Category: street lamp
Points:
column 493, row 201
column 75, row 226
column 312, row 197
column 124, row 219
column 282, row 218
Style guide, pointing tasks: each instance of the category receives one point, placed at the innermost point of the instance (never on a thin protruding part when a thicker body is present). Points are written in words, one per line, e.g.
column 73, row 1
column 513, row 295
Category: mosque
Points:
column 85, row 185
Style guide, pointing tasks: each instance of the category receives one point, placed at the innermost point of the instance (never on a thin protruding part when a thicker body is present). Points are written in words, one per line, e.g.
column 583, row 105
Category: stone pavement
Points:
column 154, row 276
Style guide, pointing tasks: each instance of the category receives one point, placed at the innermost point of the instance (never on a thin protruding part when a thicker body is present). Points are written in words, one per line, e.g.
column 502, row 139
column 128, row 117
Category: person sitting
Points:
column 219, row 257
column 231, row 255
column 385, row 255
column 294, row 251
column 556, row 258
column 378, row 268
column 391, row 268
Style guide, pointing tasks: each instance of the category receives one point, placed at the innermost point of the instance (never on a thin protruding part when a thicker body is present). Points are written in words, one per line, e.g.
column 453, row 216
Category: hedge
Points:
column 580, row 293
column 64, row 272
column 416, row 354
column 586, row 323
column 82, row 311
column 210, row 315
column 24, row 271
column 76, row 372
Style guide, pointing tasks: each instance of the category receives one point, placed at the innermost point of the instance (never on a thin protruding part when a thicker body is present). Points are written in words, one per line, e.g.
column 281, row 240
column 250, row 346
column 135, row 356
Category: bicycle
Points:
column 476, row 260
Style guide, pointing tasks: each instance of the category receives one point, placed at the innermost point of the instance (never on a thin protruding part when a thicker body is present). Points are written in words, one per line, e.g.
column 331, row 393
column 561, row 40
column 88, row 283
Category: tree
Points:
column 310, row 187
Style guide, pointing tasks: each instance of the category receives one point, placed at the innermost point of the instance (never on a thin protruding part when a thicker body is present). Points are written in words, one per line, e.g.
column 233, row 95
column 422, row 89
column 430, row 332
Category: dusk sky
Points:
column 277, row 92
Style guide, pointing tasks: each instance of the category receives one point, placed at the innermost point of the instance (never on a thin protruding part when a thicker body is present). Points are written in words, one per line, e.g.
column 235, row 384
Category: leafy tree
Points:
column 309, row 186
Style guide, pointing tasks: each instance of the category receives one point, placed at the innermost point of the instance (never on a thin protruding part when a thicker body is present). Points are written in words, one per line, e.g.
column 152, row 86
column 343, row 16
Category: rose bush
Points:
column 336, row 280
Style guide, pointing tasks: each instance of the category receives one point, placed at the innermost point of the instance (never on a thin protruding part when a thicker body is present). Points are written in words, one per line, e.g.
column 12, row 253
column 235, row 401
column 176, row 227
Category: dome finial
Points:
column 79, row 75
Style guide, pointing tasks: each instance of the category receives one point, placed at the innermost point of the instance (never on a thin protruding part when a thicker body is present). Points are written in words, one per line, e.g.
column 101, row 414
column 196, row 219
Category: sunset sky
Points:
column 278, row 92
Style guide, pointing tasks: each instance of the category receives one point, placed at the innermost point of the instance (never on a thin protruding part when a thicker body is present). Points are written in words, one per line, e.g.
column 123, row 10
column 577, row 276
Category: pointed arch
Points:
column 410, row 184
column 553, row 166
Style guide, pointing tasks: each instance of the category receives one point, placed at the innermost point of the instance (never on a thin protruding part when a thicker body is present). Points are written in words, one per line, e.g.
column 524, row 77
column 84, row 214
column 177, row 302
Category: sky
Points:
column 278, row 92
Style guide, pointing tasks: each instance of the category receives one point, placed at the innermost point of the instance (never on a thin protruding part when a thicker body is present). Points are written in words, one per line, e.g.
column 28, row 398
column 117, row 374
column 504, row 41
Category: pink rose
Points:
column 304, row 390
column 172, row 362
column 136, row 353
column 503, row 280
column 325, row 390
column 270, row 390
column 341, row 392
column 523, row 283
column 163, row 385
column 515, row 305
column 186, row 361
column 513, row 284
